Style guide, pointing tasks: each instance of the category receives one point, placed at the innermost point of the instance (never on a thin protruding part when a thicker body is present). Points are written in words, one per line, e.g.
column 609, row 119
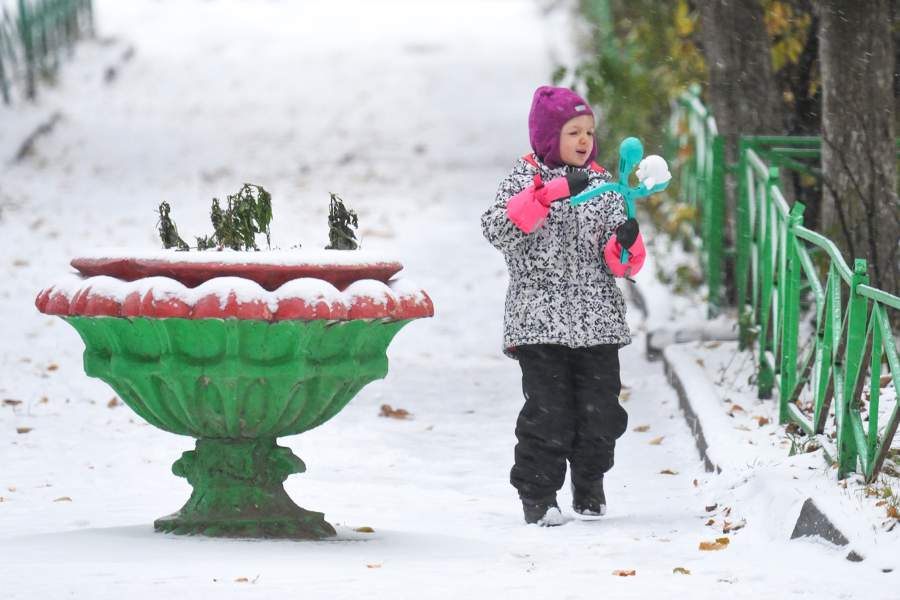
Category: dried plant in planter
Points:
column 167, row 230
column 340, row 220
column 246, row 214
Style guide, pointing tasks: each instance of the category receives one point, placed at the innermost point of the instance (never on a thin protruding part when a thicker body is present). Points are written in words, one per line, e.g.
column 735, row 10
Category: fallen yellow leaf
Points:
column 711, row 522
column 681, row 570
column 365, row 529
column 52, row 367
column 716, row 545
column 641, row 428
column 762, row 421
column 657, row 440
column 23, row 429
column 624, row 573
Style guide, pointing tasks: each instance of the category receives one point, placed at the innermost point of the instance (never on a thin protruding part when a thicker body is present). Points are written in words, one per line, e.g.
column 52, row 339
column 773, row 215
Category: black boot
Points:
column 543, row 512
column 589, row 499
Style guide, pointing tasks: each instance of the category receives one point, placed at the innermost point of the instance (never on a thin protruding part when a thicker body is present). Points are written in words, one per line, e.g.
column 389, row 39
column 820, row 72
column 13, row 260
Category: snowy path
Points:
column 413, row 121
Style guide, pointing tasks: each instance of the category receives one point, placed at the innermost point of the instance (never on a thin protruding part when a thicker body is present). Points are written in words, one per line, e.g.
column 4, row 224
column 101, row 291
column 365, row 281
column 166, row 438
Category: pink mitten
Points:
column 530, row 207
column 612, row 254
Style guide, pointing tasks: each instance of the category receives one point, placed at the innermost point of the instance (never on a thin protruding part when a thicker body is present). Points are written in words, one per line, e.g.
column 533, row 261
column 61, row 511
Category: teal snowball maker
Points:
column 631, row 151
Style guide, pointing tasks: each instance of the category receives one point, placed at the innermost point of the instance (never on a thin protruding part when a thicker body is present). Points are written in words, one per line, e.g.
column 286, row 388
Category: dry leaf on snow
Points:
column 641, row 428
column 729, row 526
column 63, row 499
column 11, row 402
column 373, row 566
column 711, row 507
column 364, row 529
column 113, row 402
column 762, row 420
column 657, row 440
column 668, row 472
column 394, row 413
column 52, row 367
column 681, row 570
column 23, row 429
column 719, row 544
column 624, row 573
column 710, row 522
column 885, row 379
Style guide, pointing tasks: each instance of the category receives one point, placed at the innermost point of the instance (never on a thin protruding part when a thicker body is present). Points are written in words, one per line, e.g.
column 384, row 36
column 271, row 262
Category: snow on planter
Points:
column 304, row 299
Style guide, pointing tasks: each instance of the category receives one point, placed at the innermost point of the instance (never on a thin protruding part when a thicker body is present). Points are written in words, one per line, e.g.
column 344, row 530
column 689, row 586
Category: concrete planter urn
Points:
column 237, row 349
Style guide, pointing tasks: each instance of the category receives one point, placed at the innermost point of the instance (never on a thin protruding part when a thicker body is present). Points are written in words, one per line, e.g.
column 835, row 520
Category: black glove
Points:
column 577, row 181
column 627, row 233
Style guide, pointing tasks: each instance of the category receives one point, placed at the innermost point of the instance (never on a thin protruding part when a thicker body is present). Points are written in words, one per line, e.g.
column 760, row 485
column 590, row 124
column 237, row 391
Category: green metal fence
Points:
column 698, row 152
column 35, row 35
column 819, row 331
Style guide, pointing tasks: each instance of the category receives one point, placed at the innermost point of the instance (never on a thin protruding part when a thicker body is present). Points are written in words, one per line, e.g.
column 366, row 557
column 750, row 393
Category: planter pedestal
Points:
column 238, row 492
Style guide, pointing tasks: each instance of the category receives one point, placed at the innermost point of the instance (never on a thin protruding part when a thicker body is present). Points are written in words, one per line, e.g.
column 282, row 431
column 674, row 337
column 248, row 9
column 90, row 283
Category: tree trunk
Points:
column 743, row 93
column 860, row 209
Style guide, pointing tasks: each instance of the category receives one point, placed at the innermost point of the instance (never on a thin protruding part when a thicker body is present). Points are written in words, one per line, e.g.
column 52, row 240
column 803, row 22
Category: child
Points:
column 565, row 317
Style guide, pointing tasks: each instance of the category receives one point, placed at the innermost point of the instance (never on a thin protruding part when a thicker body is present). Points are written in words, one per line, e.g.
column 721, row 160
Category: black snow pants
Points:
column 571, row 412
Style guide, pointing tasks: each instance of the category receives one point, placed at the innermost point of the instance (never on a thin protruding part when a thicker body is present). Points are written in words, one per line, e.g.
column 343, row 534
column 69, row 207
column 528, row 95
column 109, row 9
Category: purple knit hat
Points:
column 552, row 108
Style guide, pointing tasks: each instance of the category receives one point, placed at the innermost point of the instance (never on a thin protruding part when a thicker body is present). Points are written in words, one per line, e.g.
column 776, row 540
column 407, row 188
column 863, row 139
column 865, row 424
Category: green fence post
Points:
column 767, row 254
column 790, row 314
column 853, row 354
column 25, row 32
column 715, row 240
column 4, row 83
column 743, row 246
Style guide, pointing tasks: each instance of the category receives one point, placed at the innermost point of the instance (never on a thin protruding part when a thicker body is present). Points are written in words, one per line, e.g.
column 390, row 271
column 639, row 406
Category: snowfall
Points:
column 412, row 112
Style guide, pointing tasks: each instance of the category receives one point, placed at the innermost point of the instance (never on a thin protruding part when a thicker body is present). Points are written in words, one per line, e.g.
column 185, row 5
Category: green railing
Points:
column 788, row 275
column 819, row 331
column 34, row 36
column 698, row 156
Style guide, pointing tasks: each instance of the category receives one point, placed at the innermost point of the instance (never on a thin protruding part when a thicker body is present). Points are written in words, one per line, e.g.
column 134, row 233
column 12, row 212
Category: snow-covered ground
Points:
column 412, row 112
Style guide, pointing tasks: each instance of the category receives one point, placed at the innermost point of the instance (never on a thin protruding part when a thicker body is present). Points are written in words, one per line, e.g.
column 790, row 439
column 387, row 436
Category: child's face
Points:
column 576, row 140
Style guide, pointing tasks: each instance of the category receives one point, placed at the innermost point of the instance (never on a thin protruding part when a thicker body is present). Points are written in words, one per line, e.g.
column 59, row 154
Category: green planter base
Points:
column 238, row 492
column 237, row 386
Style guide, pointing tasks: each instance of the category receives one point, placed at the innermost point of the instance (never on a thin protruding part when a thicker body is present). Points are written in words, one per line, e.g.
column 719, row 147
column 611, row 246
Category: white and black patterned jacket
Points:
column 560, row 290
